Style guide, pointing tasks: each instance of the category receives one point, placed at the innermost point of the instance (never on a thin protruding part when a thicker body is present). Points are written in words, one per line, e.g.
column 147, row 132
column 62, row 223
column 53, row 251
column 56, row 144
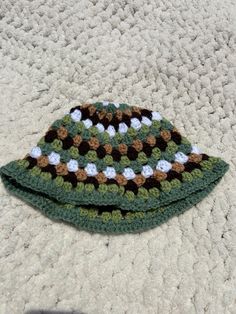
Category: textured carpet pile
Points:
column 176, row 57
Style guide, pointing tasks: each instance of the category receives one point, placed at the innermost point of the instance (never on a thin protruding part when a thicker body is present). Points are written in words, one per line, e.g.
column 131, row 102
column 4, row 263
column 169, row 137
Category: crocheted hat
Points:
column 110, row 167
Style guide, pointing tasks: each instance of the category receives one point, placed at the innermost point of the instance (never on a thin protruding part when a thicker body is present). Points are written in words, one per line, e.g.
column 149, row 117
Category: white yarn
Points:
column 35, row 152
column 72, row 165
column 54, row 158
column 196, row 150
column 146, row 121
column 110, row 172
column 147, row 171
column 111, row 130
column 105, row 103
column 156, row 116
column 100, row 127
column 129, row 173
column 76, row 115
column 135, row 123
column 163, row 165
column 91, row 169
column 123, row 128
column 181, row 157
column 87, row 123
column 116, row 104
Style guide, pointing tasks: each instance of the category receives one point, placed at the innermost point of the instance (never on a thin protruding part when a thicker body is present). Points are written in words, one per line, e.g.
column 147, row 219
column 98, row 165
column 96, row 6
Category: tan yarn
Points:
column 138, row 145
column 61, row 169
column 159, row 175
column 109, row 116
column 136, row 109
column 42, row 161
column 121, row 180
column 102, row 114
column 128, row 112
column 119, row 114
column 178, row 167
column 92, row 110
column 123, row 148
column 81, row 175
column 101, row 177
column 175, row 130
column 77, row 140
column 108, row 148
column 86, row 105
column 93, row 143
column 166, row 135
column 195, row 158
column 62, row 133
column 151, row 140
column 139, row 180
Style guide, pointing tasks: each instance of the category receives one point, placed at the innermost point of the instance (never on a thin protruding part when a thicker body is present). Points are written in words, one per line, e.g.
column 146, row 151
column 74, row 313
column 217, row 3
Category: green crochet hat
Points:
column 115, row 168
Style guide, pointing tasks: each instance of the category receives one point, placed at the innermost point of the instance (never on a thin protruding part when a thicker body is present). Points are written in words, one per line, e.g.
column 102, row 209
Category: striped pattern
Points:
column 97, row 167
column 110, row 167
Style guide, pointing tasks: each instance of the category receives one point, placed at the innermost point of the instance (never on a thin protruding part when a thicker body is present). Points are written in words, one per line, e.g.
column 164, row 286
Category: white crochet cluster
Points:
column 105, row 103
column 76, row 116
column 110, row 172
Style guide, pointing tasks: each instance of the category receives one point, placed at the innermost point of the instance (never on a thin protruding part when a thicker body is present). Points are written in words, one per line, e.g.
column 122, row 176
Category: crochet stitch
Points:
column 110, row 167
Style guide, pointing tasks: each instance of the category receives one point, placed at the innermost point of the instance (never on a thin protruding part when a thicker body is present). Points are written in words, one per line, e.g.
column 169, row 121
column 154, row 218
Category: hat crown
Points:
column 113, row 167
column 127, row 147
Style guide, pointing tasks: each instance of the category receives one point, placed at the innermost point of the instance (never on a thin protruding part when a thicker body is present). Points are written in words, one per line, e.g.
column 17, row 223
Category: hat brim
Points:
column 109, row 219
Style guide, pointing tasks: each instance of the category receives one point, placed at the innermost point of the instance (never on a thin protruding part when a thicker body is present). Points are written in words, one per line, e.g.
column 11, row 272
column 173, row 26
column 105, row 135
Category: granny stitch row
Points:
column 112, row 167
column 91, row 169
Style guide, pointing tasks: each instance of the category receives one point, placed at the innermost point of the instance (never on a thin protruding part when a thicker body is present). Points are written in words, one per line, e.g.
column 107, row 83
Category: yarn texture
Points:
column 113, row 168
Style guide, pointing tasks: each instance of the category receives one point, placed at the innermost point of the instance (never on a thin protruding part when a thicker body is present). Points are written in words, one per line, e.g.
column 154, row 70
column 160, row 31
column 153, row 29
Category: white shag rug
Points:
column 175, row 56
